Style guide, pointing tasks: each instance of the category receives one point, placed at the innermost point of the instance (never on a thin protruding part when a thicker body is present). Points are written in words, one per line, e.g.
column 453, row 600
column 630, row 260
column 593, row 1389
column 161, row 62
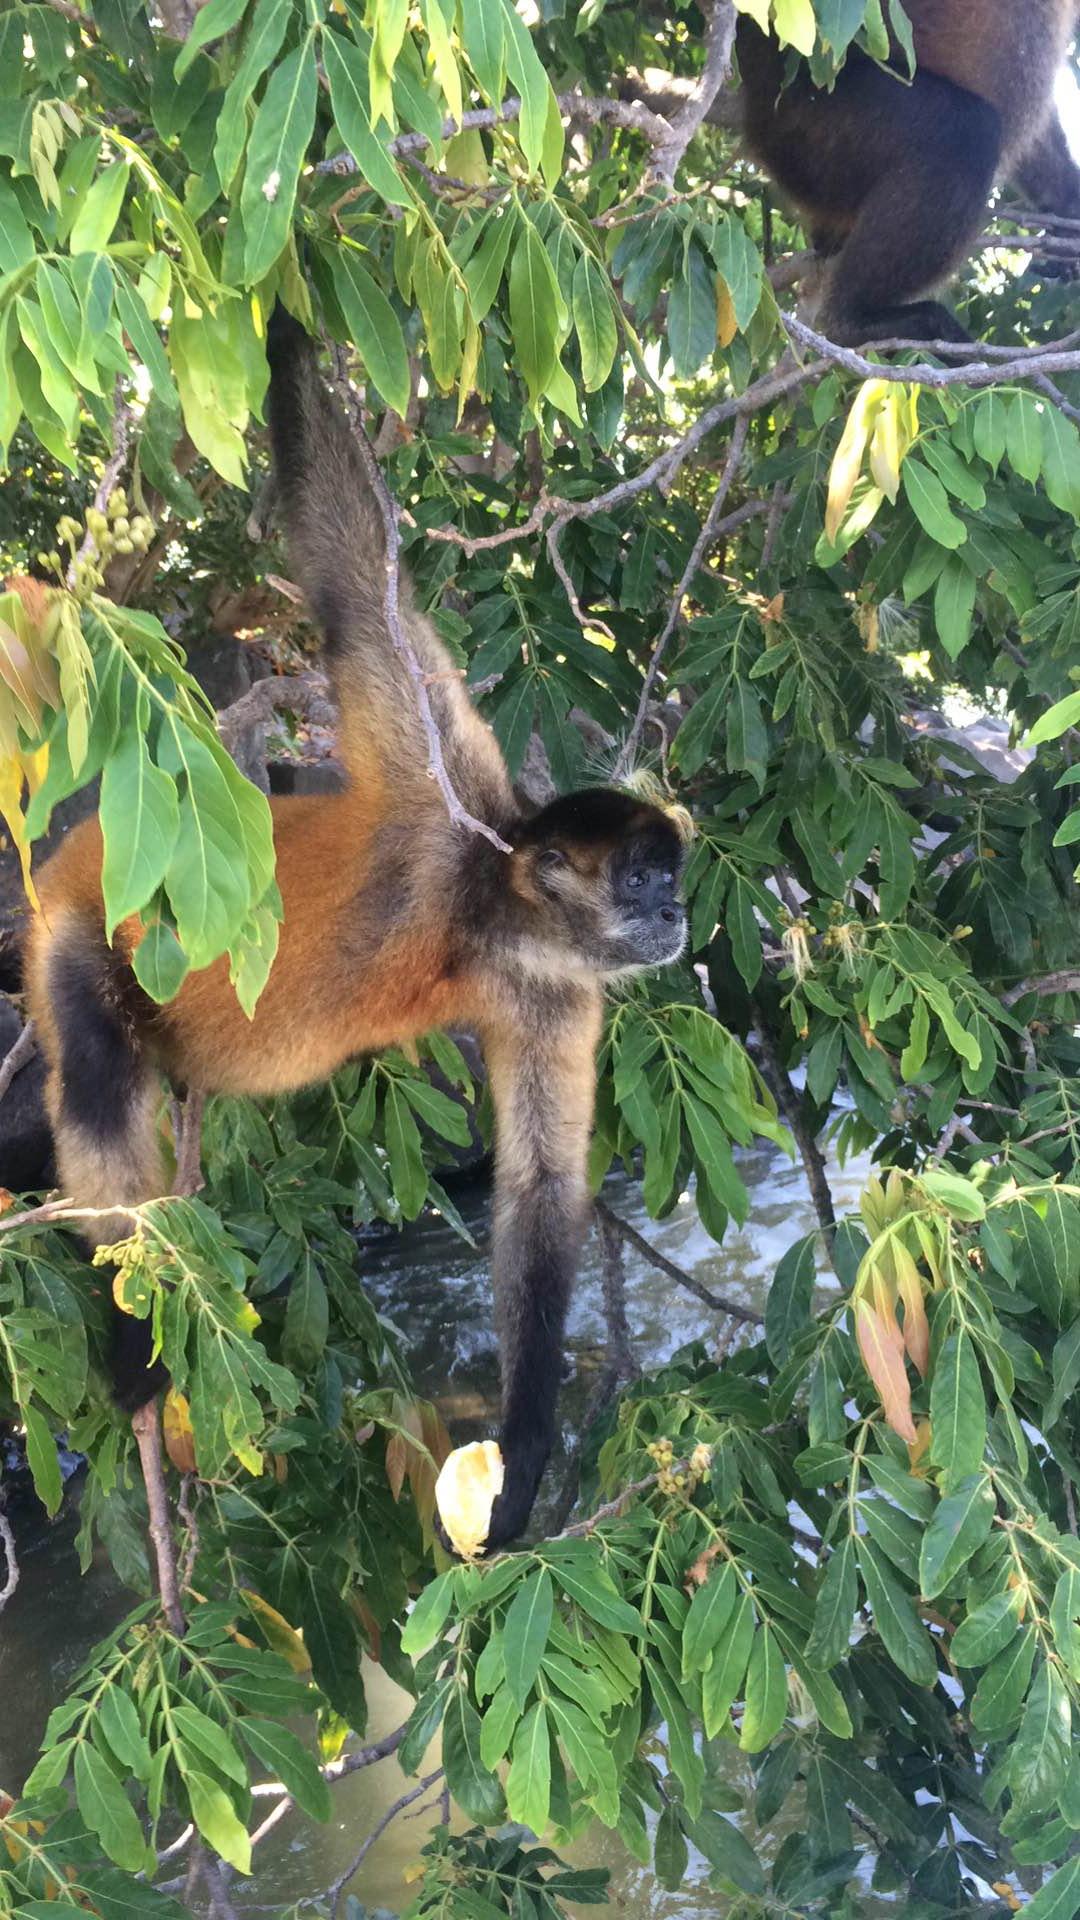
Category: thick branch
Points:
column 1044, row 984
column 790, row 1104
column 977, row 373
column 146, row 1427
column 719, row 39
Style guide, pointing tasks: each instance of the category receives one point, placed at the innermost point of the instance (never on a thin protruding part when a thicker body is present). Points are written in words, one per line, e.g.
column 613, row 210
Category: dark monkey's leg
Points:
column 104, row 1097
column 907, row 170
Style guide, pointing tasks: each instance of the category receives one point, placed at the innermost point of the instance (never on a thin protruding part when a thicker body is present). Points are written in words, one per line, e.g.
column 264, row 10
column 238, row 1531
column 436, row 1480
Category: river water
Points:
column 438, row 1291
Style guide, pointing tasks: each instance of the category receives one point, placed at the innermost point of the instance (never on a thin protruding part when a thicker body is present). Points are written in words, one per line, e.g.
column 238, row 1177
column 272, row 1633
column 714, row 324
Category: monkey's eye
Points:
column 637, row 878
column 551, row 859
column 668, row 879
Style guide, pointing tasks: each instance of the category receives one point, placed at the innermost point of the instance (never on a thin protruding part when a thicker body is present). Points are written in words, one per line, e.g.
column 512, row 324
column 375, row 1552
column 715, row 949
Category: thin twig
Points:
column 11, row 1573
column 701, row 547
column 718, row 1302
column 334, row 1770
column 23, row 1050
column 976, row 373
column 146, row 1426
column 402, row 644
column 114, row 467
column 186, row 1510
column 332, row 1896
column 214, row 1881
column 613, row 1508
column 584, row 620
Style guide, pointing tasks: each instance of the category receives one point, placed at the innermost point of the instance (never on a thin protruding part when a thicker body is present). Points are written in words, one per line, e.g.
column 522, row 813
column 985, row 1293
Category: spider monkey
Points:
column 396, row 921
column 894, row 177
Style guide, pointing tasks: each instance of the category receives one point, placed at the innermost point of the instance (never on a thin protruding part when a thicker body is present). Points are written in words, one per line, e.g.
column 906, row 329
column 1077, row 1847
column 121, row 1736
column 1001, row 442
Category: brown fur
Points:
column 893, row 178
column 395, row 922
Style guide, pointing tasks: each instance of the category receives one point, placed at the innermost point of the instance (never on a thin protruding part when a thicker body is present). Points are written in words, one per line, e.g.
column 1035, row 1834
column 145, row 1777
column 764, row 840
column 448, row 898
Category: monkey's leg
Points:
column 104, row 1097
column 543, row 1090
column 1047, row 174
column 917, row 219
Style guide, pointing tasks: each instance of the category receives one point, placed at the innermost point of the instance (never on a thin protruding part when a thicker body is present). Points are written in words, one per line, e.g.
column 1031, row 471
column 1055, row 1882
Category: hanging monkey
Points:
column 396, row 921
column 893, row 178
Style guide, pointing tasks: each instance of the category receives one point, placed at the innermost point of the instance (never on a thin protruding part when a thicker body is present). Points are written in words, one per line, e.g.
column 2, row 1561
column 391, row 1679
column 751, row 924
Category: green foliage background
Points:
column 898, row 1660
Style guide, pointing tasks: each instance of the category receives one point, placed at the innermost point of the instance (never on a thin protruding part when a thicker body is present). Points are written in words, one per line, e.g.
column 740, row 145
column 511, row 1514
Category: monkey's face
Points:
column 607, row 906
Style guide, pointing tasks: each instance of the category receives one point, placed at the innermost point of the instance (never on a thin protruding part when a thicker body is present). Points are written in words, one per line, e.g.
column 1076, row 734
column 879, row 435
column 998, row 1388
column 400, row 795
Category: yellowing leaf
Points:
column 916, row 1325
column 881, row 1345
column 847, row 460
column 726, row 324
column 12, row 781
column 282, row 1637
column 176, row 1425
column 795, row 24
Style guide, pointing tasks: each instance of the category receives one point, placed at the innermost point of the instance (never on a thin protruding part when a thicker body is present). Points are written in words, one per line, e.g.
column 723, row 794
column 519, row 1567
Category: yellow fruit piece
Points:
column 465, row 1492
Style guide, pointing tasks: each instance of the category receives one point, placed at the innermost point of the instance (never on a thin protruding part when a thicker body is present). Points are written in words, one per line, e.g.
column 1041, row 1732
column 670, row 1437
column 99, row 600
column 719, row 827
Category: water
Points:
column 438, row 1290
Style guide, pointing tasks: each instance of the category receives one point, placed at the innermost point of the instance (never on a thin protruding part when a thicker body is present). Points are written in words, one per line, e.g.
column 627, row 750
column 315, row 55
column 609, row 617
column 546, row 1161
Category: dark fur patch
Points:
column 101, row 1066
column 594, row 814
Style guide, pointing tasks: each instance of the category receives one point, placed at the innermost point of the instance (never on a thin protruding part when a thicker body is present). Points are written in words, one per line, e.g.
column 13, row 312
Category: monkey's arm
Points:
column 1048, row 175
column 337, row 546
column 543, row 1084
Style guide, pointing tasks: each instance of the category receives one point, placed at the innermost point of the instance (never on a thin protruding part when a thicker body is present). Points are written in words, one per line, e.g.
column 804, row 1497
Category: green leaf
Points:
column 535, row 303
column 1055, row 721
column 954, row 604
column 528, row 1784
column 140, row 821
column 373, row 326
column 837, row 1599
column 787, row 1308
column 595, row 1591
column 210, row 1741
column 44, row 1463
column 957, row 1410
column 484, row 38
column 107, row 1810
column 724, row 1677
column 265, row 35
column 159, row 963
column 209, row 887
column 710, row 1611
column 93, row 224
column 987, row 1630
column 118, row 1720
column 425, row 1622
column 472, row 1784
column 1024, row 435
column 216, row 1818
column 212, row 22
column 686, row 1761
column 276, row 151
column 1042, row 1751
column 287, row 1759
column 765, row 1706
column 960, row 1525
column 403, row 1146
column 330, row 1636
column 525, row 1633
column 930, row 504
column 670, row 1853
column 1000, row 1693
column 692, row 313
column 595, row 323
column 347, row 75
column 307, row 1318
column 1061, row 461
column 904, row 1639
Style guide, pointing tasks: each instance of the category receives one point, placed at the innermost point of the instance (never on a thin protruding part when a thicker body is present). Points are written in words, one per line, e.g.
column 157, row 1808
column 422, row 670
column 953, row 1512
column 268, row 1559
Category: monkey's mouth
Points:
column 657, row 938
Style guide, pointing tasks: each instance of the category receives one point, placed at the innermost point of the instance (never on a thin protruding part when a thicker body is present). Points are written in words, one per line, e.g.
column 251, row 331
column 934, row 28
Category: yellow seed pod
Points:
column 467, row 1488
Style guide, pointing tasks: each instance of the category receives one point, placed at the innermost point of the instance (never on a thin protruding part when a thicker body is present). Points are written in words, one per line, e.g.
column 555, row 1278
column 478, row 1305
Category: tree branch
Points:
column 701, row 546
column 1066, row 981
column 23, row 1050
column 717, row 1302
column 790, row 1104
column 719, row 40
column 146, row 1426
column 11, row 1564
column 392, row 613
column 334, row 1891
